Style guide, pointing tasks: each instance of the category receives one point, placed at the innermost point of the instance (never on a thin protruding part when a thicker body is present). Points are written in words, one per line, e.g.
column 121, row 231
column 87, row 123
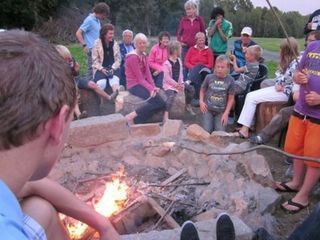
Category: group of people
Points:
column 43, row 83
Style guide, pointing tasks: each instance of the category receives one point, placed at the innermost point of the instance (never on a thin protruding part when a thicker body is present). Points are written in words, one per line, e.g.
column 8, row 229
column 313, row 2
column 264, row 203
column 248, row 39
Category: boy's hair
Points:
column 64, row 52
column 163, row 34
column 104, row 30
column 192, row 4
column 223, row 58
column 173, row 46
column 35, row 83
column 217, row 11
column 256, row 50
column 101, row 8
column 288, row 52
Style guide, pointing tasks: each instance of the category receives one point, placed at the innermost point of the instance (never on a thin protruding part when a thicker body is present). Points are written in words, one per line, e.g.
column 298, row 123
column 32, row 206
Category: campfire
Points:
column 133, row 204
column 107, row 202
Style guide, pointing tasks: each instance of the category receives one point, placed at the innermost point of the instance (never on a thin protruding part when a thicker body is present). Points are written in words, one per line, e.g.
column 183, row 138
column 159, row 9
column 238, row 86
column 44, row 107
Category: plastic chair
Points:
column 254, row 85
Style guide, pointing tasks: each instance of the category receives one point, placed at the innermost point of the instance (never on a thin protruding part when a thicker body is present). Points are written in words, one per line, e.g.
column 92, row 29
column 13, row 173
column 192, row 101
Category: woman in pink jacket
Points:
column 140, row 82
column 157, row 56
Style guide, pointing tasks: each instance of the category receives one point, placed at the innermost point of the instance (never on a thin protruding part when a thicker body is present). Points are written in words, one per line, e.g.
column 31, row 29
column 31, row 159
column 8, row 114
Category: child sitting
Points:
column 249, row 71
column 173, row 78
column 82, row 83
column 217, row 96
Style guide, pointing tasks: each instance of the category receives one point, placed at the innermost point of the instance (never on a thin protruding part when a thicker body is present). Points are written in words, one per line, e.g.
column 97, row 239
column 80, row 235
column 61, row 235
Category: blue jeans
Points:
column 158, row 80
column 310, row 227
column 184, row 51
column 211, row 121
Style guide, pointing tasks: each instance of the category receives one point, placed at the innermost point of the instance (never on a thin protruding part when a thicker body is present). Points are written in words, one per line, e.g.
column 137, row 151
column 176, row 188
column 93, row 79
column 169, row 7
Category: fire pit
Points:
column 167, row 174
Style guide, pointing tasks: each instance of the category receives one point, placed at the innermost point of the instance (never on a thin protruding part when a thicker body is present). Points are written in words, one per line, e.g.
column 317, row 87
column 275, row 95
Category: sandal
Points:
column 295, row 204
column 285, row 188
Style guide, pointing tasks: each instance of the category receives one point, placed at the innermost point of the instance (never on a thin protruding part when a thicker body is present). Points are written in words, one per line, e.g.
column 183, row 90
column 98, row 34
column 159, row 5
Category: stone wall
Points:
column 239, row 184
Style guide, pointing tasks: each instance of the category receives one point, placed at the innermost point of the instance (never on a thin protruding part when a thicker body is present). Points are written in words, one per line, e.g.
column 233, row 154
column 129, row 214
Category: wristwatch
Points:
column 84, row 45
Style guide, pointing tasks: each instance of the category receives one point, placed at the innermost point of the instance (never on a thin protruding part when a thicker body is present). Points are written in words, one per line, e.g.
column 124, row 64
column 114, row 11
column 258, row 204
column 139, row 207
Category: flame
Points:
column 112, row 201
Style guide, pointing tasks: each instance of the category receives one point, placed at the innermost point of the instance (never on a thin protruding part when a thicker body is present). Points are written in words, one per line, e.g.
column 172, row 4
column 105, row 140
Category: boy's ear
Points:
column 56, row 126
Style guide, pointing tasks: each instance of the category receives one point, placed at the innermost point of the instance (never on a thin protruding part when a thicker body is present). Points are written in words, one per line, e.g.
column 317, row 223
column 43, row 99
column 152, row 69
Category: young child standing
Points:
column 173, row 78
column 249, row 71
column 217, row 96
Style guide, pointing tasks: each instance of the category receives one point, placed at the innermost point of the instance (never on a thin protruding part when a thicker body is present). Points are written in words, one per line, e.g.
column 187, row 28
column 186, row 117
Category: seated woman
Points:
column 198, row 57
column 279, row 92
column 106, row 60
column 140, row 82
column 157, row 56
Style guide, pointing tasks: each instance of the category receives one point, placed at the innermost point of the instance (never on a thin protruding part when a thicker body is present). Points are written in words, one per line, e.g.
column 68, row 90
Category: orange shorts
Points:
column 303, row 138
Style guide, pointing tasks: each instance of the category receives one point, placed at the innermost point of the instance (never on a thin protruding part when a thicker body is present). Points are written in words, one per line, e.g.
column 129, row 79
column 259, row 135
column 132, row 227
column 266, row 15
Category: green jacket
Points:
column 216, row 43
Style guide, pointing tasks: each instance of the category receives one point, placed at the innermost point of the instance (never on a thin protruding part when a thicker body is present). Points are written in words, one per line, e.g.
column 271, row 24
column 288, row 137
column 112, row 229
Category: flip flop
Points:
column 286, row 188
column 295, row 204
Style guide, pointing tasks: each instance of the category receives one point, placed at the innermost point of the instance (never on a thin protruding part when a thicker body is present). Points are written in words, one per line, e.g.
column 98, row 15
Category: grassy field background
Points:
column 270, row 44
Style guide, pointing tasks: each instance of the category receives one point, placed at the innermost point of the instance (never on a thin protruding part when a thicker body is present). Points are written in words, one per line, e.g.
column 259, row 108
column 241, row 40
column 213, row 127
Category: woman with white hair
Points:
column 189, row 26
column 140, row 82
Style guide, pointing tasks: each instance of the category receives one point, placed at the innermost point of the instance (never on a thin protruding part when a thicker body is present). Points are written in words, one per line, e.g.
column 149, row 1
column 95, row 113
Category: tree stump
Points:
column 265, row 112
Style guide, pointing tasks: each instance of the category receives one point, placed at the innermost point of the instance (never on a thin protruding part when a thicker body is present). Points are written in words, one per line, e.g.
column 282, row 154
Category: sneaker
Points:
column 195, row 103
column 262, row 234
column 187, row 82
column 256, row 140
column 190, row 110
column 225, row 228
column 189, row 231
column 114, row 95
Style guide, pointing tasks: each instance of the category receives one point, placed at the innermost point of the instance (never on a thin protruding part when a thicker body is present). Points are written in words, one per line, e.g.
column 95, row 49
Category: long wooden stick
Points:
column 287, row 37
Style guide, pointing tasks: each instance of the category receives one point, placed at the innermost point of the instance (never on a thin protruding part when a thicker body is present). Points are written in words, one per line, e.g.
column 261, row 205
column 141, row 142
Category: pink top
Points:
column 138, row 71
column 187, row 30
column 157, row 57
column 168, row 82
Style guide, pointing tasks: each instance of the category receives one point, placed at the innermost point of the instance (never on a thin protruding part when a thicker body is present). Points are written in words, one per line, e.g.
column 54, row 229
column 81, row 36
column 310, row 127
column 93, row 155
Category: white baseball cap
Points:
column 247, row 30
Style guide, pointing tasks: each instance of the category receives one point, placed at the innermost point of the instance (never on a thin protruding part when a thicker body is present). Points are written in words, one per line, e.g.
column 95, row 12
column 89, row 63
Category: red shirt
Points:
column 187, row 30
column 195, row 56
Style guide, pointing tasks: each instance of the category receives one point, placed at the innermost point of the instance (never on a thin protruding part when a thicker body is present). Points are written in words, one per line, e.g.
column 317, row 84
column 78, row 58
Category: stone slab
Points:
column 98, row 130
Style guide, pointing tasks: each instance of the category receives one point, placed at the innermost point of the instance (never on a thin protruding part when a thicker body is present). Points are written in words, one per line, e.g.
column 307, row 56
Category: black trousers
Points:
column 152, row 106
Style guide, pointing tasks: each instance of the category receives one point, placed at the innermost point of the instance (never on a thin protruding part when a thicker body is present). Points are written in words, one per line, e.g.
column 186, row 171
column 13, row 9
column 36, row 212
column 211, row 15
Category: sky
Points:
column 305, row 7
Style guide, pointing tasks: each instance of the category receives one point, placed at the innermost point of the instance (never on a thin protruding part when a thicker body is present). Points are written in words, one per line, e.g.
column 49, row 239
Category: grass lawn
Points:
column 273, row 44
column 77, row 52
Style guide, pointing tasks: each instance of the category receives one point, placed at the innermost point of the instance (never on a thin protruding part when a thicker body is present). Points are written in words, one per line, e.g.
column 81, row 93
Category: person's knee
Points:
column 40, row 210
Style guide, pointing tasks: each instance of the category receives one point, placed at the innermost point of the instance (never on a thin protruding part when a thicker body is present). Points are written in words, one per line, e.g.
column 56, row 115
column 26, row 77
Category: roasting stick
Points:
column 287, row 37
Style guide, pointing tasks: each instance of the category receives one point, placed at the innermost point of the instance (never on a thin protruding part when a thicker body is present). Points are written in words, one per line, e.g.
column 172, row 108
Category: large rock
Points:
column 206, row 230
column 98, row 130
column 172, row 128
column 197, row 133
column 145, row 130
column 127, row 103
